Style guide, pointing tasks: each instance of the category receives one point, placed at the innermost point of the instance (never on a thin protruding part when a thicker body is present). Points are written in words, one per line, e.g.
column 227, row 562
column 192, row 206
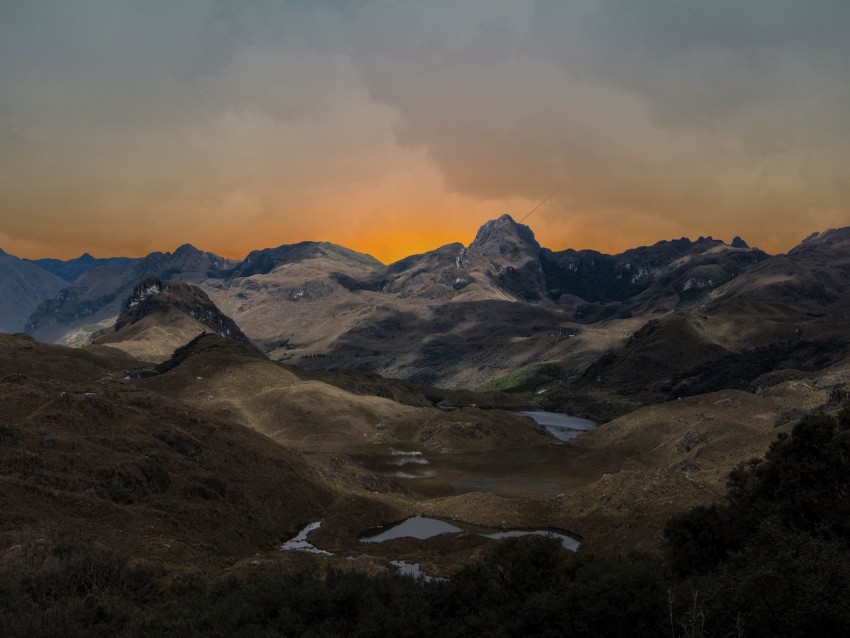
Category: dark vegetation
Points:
column 772, row 560
column 590, row 275
column 524, row 588
column 740, row 369
column 775, row 557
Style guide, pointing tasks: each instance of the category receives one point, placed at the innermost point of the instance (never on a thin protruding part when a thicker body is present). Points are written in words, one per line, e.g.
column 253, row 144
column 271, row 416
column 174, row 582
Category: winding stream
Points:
column 299, row 542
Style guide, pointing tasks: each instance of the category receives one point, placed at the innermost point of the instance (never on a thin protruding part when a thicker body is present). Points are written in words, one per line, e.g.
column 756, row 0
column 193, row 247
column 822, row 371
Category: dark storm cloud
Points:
column 651, row 107
column 214, row 120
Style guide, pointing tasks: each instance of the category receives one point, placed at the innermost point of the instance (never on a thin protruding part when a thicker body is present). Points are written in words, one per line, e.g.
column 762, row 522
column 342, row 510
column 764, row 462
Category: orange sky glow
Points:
column 394, row 128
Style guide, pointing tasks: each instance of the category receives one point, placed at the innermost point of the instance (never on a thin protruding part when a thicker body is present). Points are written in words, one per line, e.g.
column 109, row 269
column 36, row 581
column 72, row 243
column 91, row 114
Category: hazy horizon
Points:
column 239, row 257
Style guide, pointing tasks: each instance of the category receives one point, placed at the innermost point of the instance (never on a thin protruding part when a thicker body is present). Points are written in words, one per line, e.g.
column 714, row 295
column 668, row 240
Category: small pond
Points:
column 423, row 527
column 420, row 527
column 562, row 426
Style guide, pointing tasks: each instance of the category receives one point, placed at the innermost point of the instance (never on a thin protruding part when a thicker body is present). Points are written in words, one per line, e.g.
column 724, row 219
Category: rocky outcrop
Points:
column 98, row 294
column 154, row 296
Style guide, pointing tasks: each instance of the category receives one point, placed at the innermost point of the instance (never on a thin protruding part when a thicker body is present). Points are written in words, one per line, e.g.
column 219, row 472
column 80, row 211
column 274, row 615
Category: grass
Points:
column 94, row 327
column 525, row 379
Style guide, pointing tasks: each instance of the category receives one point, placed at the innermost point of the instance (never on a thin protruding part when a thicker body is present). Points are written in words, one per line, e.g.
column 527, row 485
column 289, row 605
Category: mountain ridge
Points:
column 161, row 315
column 463, row 315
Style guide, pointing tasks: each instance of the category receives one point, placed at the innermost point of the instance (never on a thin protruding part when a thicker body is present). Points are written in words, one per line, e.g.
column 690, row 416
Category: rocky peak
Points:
column 150, row 286
column 739, row 243
column 154, row 296
column 496, row 234
column 185, row 250
column 828, row 244
column 511, row 256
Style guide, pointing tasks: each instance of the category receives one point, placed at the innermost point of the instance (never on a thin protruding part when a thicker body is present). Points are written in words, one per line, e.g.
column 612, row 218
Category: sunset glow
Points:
column 394, row 128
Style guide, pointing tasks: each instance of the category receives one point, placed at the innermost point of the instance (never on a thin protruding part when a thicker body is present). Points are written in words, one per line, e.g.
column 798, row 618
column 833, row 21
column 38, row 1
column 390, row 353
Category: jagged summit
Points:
column 511, row 258
column 156, row 296
column 161, row 315
column 833, row 240
column 187, row 249
column 737, row 242
column 497, row 234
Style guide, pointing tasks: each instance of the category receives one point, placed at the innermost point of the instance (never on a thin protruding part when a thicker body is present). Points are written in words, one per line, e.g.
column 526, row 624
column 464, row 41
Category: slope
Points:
column 227, row 379
column 108, row 463
column 23, row 286
column 96, row 298
column 160, row 316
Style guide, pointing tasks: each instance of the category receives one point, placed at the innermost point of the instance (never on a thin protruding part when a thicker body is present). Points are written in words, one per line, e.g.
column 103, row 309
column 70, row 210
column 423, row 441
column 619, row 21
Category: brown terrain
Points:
column 201, row 425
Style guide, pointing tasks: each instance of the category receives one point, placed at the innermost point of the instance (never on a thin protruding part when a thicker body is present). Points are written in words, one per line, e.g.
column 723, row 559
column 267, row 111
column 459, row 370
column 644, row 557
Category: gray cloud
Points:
column 655, row 118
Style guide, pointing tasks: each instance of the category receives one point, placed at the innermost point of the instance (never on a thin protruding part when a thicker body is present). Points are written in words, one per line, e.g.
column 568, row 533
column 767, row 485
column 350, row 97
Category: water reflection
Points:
column 423, row 527
column 420, row 527
column 299, row 542
column 568, row 542
column 562, row 426
column 407, row 458
column 413, row 570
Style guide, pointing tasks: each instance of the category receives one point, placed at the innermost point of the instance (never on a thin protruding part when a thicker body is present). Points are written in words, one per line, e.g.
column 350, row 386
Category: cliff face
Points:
column 154, row 296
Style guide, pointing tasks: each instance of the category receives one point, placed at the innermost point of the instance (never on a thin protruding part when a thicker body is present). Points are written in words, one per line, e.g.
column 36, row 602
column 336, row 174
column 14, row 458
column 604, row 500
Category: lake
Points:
column 562, row 426
column 424, row 527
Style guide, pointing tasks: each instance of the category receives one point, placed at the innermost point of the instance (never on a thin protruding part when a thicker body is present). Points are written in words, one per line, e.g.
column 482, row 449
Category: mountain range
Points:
column 213, row 407
column 464, row 316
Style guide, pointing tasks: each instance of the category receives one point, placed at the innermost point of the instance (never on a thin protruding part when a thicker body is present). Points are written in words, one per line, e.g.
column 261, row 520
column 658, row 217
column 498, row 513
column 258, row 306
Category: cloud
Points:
column 238, row 125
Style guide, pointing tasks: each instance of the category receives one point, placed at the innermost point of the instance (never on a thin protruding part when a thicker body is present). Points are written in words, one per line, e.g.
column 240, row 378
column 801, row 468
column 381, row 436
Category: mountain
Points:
column 184, row 447
column 89, row 458
column 459, row 316
column 416, row 319
column 227, row 378
column 291, row 294
column 509, row 255
column 659, row 278
column 811, row 280
column 160, row 316
column 72, row 269
column 463, row 316
column 262, row 262
column 781, row 317
column 23, row 286
column 500, row 264
column 95, row 299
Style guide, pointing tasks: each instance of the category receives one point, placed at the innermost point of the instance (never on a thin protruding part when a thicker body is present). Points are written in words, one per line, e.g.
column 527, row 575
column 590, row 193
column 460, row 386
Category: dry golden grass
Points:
column 155, row 338
column 105, row 462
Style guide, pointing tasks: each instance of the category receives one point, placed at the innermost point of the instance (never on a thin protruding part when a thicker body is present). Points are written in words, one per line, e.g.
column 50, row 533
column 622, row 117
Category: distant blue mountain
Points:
column 73, row 269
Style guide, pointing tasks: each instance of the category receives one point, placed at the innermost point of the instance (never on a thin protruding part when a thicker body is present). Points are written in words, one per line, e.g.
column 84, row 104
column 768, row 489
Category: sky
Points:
column 394, row 127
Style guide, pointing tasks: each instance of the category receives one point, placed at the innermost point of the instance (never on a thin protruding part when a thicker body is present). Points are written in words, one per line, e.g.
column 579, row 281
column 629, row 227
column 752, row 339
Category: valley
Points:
column 200, row 412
